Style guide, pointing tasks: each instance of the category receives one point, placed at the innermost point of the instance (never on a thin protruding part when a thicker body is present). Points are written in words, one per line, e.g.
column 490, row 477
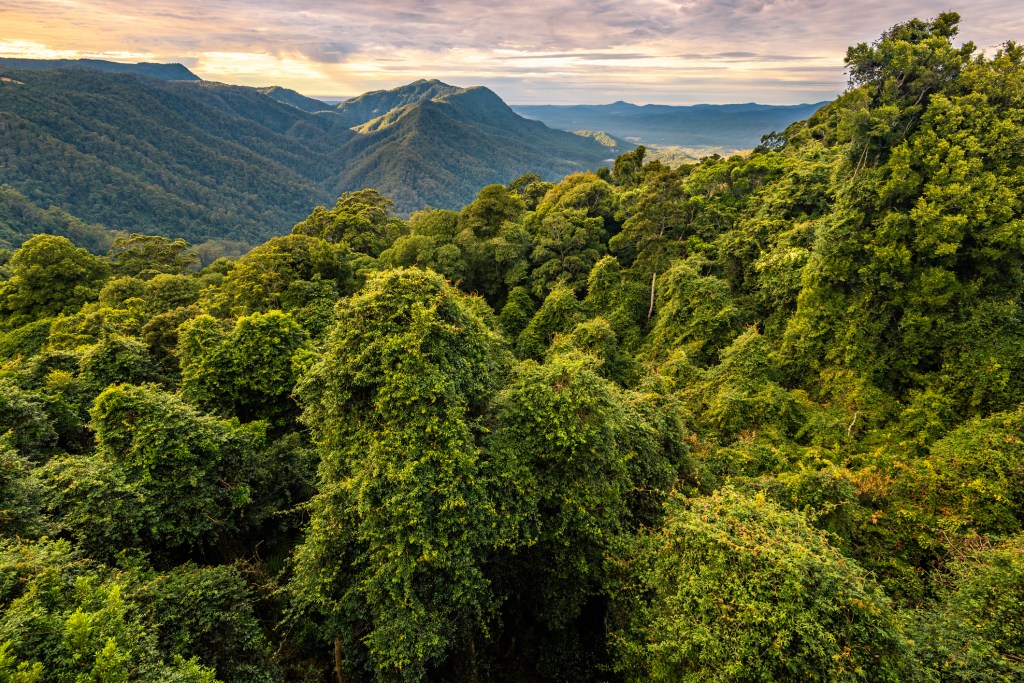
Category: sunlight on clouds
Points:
column 30, row 49
column 667, row 51
column 252, row 68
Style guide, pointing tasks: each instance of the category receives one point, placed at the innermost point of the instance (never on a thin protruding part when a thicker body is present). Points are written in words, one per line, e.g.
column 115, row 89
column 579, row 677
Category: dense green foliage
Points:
column 757, row 418
column 733, row 588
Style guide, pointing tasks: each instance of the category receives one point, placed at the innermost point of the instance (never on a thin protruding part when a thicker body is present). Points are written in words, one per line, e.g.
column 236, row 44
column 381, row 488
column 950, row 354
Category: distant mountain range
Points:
column 89, row 146
column 153, row 149
column 732, row 126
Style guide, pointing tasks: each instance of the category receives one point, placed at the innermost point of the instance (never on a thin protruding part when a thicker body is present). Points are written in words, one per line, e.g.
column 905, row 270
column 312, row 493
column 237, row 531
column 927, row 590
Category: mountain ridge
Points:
column 164, row 72
column 734, row 126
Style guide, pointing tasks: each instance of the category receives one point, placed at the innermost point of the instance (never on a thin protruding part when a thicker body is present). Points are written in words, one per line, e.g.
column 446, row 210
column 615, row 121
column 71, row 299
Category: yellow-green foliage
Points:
column 734, row 588
column 407, row 509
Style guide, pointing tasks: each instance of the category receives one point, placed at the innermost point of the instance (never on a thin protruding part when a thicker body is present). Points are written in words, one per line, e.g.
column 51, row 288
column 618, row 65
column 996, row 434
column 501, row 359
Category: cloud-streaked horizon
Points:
column 529, row 52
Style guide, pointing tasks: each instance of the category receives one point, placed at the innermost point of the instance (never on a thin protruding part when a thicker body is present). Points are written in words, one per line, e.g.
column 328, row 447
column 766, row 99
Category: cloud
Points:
column 326, row 53
column 564, row 50
column 30, row 49
column 590, row 56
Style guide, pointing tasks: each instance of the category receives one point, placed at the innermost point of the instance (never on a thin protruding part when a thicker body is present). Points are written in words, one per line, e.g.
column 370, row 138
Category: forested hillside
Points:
column 208, row 161
column 181, row 158
column 757, row 418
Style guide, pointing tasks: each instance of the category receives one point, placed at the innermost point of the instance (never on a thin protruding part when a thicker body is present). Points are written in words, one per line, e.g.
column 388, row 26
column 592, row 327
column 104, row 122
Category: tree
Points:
column 144, row 256
column 695, row 312
column 115, row 359
column 160, row 335
column 560, row 312
column 530, row 188
column 596, row 338
column 572, row 443
column 207, row 613
column 26, row 340
column 618, row 298
column 654, row 218
column 901, row 71
column 361, row 220
column 628, row 168
column 559, row 420
column 440, row 223
column 920, row 252
column 565, row 248
column 426, row 251
column 21, row 495
column 66, row 618
column 166, row 292
column 580, row 192
column 260, row 279
column 405, row 515
column 742, row 392
column 493, row 206
column 25, row 421
column 164, row 477
column 734, row 588
column 49, row 275
column 972, row 480
column 517, row 312
column 246, row 370
column 973, row 631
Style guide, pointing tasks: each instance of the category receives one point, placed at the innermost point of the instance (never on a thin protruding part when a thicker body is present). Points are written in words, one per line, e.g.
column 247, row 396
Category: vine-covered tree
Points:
column 391, row 563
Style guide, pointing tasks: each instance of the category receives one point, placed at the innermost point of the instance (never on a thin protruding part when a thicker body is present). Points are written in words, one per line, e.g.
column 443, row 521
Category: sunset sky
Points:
column 528, row 51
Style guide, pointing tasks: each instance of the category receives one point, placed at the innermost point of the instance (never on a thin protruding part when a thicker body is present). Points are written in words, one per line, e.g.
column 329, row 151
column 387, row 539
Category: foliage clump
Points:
column 732, row 587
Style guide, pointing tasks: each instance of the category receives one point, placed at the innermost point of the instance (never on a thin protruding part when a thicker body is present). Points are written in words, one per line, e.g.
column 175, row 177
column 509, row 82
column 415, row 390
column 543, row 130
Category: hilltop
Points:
column 437, row 144
column 163, row 72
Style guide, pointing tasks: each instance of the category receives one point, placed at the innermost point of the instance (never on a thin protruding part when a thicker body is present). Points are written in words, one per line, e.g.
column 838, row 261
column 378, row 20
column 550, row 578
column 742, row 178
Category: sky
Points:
column 528, row 51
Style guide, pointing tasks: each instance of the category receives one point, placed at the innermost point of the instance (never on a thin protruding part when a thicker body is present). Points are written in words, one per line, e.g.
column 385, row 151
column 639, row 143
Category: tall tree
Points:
column 147, row 255
column 733, row 588
column 392, row 559
column 363, row 220
column 49, row 275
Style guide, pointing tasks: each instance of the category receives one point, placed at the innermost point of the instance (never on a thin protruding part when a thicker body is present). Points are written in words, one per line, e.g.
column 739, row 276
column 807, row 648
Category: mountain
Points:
column 368, row 106
column 205, row 160
column 733, row 126
column 163, row 72
column 438, row 144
